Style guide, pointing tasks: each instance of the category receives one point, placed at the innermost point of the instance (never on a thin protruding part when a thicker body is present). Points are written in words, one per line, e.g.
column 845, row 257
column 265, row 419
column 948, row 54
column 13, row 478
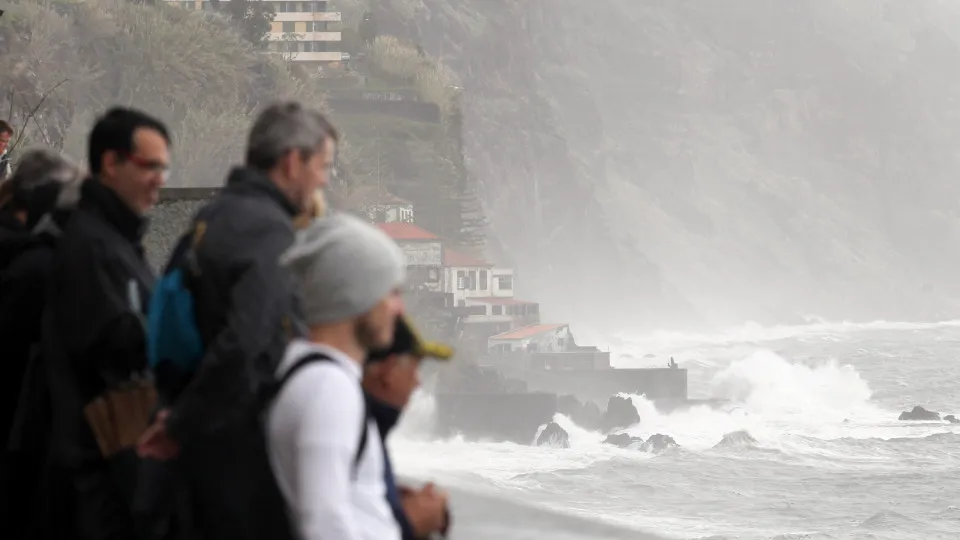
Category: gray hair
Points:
column 283, row 127
column 42, row 167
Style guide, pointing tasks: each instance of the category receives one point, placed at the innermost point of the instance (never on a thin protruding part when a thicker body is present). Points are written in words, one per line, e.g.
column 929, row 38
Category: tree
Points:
column 252, row 18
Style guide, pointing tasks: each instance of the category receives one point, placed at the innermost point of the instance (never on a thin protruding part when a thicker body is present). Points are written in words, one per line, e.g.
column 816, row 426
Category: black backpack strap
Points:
column 364, row 422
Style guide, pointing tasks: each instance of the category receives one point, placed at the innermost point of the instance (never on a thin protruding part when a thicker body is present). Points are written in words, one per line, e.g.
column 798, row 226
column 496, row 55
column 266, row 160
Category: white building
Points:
column 422, row 251
column 303, row 31
column 306, row 32
column 379, row 205
column 465, row 276
column 542, row 338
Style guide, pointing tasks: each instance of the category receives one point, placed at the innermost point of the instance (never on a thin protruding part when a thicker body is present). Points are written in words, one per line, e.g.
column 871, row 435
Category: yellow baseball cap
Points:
column 406, row 340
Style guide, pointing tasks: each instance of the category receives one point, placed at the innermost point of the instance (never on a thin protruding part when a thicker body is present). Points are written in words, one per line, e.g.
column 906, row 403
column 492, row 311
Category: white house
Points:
column 379, row 205
column 465, row 276
column 422, row 251
column 543, row 338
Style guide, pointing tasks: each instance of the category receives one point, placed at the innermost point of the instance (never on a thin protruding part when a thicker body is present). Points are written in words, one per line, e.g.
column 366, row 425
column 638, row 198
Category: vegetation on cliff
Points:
column 64, row 62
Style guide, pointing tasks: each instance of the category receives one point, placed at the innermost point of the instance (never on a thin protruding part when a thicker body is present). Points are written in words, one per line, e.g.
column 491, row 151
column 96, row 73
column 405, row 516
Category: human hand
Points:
column 156, row 443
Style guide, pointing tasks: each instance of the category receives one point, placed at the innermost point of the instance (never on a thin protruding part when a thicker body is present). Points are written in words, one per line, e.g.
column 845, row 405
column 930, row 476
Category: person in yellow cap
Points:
column 390, row 377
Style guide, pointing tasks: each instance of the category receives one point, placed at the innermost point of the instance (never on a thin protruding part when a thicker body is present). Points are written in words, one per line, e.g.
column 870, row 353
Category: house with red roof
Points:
column 378, row 205
column 422, row 251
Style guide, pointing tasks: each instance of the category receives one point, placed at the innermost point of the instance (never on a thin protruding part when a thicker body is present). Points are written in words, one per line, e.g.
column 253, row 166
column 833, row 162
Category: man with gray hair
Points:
column 324, row 448
column 245, row 309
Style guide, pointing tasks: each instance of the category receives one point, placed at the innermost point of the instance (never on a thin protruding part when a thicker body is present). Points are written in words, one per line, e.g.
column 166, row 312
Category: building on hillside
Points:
column 379, row 205
column 544, row 347
column 422, row 251
column 305, row 32
column 482, row 296
column 465, row 276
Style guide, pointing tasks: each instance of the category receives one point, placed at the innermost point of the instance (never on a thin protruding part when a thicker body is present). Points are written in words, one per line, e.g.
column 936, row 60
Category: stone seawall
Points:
column 499, row 416
column 598, row 385
column 170, row 219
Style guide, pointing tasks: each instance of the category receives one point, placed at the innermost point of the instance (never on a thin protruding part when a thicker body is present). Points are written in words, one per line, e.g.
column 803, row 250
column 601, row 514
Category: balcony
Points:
column 299, row 16
column 315, row 56
column 307, row 36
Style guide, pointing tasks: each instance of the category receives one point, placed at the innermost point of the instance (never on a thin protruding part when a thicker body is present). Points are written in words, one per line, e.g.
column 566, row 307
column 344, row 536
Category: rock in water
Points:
column 658, row 443
column 620, row 414
column 952, row 419
column 919, row 413
column 586, row 415
column 622, row 440
column 736, row 438
column 554, row 435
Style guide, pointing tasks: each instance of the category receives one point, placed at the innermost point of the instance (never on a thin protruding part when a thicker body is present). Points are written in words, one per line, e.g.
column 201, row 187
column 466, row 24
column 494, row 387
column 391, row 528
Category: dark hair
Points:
column 5, row 127
column 286, row 126
column 114, row 132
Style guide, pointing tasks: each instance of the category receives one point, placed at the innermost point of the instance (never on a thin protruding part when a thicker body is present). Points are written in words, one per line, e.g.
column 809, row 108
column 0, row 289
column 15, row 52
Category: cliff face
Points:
column 678, row 163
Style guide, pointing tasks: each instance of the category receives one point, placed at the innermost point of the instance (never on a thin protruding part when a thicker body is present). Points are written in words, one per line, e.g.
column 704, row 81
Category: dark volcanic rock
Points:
column 919, row 413
column 658, row 443
column 952, row 419
column 736, row 438
column 623, row 440
column 586, row 415
column 554, row 435
column 620, row 414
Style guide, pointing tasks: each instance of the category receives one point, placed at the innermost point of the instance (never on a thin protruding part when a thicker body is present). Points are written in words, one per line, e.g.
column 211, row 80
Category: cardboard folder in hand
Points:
column 119, row 416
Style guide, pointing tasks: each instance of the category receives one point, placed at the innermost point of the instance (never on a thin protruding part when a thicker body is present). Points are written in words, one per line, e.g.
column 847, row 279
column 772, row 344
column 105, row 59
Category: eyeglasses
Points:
column 156, row 167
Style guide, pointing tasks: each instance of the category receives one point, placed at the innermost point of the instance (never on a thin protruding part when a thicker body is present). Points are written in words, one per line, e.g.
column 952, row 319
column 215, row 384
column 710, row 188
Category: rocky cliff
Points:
column 686, row 163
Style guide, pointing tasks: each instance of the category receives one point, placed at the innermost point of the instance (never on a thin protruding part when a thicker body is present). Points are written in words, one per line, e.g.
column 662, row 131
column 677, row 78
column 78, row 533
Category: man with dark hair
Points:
column 245, row 310
column 389, row 380
column 6, row 134
column 93, row 330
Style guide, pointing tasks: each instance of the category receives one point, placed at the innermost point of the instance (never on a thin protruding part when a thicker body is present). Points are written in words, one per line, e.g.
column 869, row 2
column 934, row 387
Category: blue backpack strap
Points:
column 321, row 357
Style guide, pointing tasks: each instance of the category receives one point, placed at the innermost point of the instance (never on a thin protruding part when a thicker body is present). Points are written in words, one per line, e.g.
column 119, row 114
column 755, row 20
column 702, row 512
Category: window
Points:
column 320, row 6
column 289, row 27
column 483, row 280
column 506, row 283
column 461, row 280
column 462, row 303
column 498, row 310
column 317, row 26
column 473, row 280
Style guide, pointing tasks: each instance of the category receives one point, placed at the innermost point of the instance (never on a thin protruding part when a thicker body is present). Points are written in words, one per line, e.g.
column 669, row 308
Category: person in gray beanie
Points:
column 324, row 449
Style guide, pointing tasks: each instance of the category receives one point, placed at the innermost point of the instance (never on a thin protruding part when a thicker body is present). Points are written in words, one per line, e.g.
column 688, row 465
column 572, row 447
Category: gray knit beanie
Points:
column 344, row 266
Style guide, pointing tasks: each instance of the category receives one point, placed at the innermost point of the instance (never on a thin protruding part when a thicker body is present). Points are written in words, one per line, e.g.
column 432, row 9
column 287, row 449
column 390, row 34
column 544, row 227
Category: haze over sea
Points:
column 831, row 460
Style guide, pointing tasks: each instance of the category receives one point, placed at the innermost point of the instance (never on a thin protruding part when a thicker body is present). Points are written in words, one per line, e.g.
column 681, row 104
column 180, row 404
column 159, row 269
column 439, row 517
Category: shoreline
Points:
column 483, row 517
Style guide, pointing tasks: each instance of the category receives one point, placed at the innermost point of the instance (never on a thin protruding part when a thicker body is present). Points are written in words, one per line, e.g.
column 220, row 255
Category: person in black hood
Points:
column 33, row 205
column 94, row 337
column 389, row 380
column 246, row 312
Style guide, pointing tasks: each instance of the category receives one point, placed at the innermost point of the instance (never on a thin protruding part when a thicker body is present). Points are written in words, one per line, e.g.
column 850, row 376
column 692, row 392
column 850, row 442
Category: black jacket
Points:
column 245, row 304
column 25, row 262
column 93, row 330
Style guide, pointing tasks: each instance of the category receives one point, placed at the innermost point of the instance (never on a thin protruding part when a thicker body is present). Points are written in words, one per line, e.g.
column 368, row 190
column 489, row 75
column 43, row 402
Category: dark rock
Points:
column 952, row 419
column 554, row 435
column 620, row 414
column 658, row 443
column 623, row 440
column 735, row 439
column 586, row 415
column 919, row 413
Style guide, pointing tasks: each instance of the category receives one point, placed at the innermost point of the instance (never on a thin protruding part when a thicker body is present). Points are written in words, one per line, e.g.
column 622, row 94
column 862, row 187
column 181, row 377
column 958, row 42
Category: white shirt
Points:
column 313, row 432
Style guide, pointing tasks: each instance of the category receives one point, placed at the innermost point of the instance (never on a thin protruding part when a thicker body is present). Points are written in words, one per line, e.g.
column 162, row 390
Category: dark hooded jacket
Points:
column 94, row 335
column 246, row 312
column 25, row 262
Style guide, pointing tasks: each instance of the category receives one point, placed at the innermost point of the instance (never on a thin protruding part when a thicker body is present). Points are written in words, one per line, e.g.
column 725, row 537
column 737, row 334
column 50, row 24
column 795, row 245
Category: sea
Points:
column 830, row 458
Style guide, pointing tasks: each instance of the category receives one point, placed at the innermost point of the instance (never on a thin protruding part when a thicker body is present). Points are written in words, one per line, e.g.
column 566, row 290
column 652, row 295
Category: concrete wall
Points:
column 168, row 221
column 599, row 385
column 499, row 416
